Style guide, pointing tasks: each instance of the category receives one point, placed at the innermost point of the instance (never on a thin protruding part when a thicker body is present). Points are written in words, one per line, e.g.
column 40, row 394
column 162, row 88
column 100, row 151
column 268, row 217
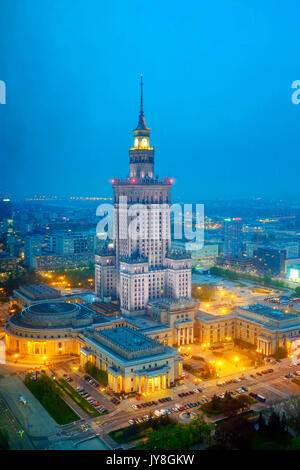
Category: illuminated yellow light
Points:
column 16, row 355
column 220, row 363
column 207, row 305
column 236, row 359
column 45, row 357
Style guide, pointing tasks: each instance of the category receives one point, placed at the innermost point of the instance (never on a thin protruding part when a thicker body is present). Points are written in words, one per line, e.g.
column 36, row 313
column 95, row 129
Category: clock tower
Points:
column 141, row 155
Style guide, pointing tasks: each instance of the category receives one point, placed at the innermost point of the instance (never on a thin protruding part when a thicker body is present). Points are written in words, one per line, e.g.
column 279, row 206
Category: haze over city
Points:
column 217, row 95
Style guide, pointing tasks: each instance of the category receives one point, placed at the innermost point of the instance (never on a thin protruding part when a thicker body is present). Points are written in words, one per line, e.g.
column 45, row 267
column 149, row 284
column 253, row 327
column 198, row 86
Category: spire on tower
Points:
column 141, row 124
column 142, row 106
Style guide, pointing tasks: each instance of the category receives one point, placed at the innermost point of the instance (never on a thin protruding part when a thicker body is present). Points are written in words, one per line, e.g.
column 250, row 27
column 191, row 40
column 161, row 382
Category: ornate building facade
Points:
column 142, row 267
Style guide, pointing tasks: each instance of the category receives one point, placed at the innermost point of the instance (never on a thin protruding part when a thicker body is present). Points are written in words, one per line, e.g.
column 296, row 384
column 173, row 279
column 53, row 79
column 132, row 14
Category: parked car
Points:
column 261, row 398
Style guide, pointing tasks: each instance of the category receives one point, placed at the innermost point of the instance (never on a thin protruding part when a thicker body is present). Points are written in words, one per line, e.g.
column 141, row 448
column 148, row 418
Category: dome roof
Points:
column 47, row 315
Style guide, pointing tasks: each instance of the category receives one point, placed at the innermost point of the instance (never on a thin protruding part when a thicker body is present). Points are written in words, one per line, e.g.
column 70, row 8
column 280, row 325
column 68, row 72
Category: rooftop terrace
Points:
column 129, row 343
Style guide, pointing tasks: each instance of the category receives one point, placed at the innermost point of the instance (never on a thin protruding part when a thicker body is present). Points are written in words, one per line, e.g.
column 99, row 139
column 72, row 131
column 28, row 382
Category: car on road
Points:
column 22, row 400
column 261, row 398
column 115, row 401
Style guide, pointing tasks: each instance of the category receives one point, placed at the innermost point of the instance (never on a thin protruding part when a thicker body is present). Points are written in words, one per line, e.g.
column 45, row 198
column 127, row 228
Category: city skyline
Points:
column 149, row 228
column 218, row 100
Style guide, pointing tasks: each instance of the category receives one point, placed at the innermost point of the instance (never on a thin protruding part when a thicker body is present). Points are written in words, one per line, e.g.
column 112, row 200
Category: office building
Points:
column 233, row 242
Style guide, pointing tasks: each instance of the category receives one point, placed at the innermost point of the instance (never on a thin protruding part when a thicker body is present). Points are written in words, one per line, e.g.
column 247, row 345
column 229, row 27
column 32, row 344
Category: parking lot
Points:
column 89, row 389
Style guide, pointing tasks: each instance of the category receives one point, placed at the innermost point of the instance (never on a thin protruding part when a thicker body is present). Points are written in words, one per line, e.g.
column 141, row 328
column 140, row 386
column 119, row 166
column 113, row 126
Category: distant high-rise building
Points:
column 58, row 250
column 5, row 208
column 63, row 243
column 32, row 248
column 233, row 241
column 273, row 259
column 269, row 260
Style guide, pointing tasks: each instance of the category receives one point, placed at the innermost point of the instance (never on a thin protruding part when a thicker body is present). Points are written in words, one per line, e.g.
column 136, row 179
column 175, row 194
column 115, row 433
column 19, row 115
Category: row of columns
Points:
column 187, row 337
column 264, row 347
column 161, row 383
column 113, row 382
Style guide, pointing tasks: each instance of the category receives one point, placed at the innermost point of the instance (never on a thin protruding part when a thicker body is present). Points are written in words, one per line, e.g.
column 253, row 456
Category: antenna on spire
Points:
column 142, row 106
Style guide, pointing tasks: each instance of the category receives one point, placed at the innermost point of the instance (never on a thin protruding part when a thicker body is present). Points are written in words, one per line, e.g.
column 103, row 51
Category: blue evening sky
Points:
column 217, row 95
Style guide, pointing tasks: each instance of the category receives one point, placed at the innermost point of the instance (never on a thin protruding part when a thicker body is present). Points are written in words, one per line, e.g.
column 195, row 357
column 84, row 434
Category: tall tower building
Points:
column 233, row 241
column 142, row 267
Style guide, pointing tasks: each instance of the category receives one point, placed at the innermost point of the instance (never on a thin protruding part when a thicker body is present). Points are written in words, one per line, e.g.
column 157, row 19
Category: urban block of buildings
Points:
column 59, row 250
column 264, row 327
column 143, row 311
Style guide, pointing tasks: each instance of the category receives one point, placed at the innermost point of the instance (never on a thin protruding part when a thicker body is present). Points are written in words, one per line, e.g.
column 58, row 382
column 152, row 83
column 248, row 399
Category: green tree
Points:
column 236, row 433
column 215, row 404
column 297, row 292
column 262, row 425
column 204, row 292
column 4, row 441
column 281, row 352
column 178, row 436
column 276, row 427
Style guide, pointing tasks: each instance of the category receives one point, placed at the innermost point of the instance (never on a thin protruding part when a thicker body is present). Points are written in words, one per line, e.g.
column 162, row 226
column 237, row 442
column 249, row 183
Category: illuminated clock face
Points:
column 136, row 142
column 144, row 142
